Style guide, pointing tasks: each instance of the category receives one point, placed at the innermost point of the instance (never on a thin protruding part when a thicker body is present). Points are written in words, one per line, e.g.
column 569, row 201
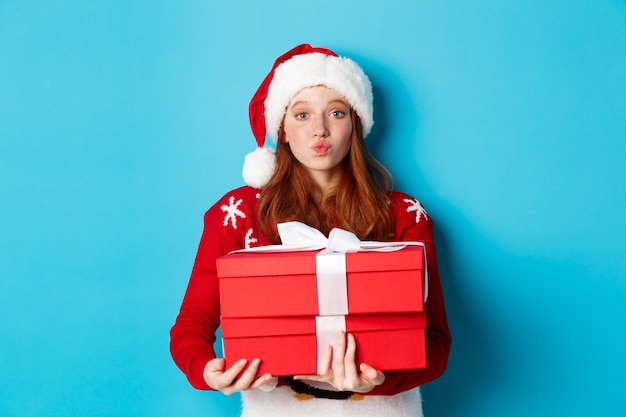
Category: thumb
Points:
column 213, row 365
column 371, row 374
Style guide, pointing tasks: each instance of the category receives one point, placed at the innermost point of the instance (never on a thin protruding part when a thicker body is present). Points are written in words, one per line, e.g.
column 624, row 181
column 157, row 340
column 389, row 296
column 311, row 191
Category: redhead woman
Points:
column 317, row 107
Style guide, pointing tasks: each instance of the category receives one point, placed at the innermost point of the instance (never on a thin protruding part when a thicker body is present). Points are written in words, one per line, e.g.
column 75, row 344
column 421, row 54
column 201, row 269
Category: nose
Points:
column 320, row 128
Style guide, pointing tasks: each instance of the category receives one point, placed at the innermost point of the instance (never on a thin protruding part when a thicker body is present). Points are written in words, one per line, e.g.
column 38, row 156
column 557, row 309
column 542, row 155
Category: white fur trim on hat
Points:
column 258, row 167
column 308, row 70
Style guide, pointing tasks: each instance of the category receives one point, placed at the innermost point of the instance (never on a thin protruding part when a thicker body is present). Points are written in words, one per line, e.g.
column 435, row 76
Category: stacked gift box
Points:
column 286, row 307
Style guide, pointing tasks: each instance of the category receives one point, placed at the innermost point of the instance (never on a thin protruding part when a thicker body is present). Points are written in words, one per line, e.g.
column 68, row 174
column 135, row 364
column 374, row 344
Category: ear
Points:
column 283, row 134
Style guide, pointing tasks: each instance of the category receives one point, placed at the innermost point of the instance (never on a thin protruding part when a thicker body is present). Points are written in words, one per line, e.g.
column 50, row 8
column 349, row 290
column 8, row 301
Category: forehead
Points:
column 318, row 93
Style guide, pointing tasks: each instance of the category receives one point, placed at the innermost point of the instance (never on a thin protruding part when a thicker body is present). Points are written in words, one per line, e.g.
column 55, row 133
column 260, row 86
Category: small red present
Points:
column 282, row 284
column 286, row 307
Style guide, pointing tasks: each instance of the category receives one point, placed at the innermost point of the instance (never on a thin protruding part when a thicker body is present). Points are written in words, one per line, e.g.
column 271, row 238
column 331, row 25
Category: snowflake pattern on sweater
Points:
column 417, row 207
column 232, row 212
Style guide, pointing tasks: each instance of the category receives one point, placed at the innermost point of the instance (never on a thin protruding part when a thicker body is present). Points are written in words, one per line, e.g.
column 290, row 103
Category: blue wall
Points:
column 121, row 122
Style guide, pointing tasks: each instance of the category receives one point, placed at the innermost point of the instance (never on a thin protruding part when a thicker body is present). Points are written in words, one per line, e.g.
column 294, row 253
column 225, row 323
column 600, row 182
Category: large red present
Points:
column 289, row 345
column 286, row 307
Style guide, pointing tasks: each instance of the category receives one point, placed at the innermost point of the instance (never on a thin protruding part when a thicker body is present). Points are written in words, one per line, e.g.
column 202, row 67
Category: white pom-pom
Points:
column 258, row 167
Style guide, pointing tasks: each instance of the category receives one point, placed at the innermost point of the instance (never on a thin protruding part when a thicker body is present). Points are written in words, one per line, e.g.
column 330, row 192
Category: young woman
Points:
column 318, row 108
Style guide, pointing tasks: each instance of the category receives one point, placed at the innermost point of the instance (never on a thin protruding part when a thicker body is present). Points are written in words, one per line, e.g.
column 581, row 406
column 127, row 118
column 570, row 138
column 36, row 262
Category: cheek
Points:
column 348, row 131
column 346, row 135
column 291, row 133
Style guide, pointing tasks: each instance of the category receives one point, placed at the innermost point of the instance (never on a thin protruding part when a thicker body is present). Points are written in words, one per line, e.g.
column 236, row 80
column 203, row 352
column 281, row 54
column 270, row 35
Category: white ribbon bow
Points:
column 299, row 236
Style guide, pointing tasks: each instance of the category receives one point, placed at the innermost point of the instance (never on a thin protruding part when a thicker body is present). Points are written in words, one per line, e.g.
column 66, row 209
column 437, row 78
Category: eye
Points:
column 301, row 116
column 338, row 114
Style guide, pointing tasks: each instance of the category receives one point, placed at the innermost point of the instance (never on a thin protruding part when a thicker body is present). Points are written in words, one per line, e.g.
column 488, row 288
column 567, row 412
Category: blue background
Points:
column 122, row 122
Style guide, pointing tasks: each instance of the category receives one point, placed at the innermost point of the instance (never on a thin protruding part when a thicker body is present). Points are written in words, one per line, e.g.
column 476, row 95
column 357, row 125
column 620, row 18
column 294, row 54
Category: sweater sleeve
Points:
column 413, row 224
column 193, row 335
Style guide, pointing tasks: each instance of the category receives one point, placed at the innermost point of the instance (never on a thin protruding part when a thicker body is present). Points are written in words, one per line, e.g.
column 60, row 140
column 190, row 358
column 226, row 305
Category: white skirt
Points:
column 284, row 402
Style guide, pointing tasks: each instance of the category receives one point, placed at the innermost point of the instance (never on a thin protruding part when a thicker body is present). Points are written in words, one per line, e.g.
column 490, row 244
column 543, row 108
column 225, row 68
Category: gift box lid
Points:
column 251, row 264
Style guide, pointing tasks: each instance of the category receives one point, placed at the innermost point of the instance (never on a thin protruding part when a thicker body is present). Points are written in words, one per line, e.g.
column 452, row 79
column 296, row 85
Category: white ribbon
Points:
column 326, row 330
column 332, row 287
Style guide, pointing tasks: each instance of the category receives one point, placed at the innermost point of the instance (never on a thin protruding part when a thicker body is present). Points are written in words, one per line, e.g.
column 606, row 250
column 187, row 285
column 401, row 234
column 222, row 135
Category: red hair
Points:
column 359, row 203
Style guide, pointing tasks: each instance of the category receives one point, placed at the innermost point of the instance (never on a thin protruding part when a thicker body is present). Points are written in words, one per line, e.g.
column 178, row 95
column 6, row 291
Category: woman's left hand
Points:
column 343, row 374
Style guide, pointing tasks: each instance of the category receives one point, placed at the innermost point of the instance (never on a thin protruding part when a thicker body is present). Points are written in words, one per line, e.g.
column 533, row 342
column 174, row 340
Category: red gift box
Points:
column 270, row 302
column 279, row 284
column 288, row 345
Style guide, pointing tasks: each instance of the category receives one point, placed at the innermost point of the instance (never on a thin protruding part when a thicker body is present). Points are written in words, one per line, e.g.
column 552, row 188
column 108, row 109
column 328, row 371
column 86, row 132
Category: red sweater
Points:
column 232, row 224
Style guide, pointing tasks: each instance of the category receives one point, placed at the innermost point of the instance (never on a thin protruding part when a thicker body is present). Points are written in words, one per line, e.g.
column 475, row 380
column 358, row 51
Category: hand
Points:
column 226, row 381
column 344, row 375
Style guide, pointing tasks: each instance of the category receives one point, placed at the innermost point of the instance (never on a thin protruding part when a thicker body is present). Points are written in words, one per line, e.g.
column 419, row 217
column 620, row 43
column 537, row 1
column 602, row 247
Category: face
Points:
column 318, row 129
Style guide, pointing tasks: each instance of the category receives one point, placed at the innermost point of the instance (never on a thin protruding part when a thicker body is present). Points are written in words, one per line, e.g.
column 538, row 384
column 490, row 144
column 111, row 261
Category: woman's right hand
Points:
column 226, row 381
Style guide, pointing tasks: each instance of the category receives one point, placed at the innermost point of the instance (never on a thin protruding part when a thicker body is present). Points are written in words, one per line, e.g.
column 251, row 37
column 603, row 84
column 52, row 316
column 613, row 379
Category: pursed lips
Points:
column 321, row 147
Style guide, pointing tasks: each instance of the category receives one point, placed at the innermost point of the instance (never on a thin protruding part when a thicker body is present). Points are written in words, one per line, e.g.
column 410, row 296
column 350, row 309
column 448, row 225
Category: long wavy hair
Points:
column 359, row 203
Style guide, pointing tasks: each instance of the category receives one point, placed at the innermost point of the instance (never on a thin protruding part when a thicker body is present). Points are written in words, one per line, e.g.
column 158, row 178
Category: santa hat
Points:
column 301, row 67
